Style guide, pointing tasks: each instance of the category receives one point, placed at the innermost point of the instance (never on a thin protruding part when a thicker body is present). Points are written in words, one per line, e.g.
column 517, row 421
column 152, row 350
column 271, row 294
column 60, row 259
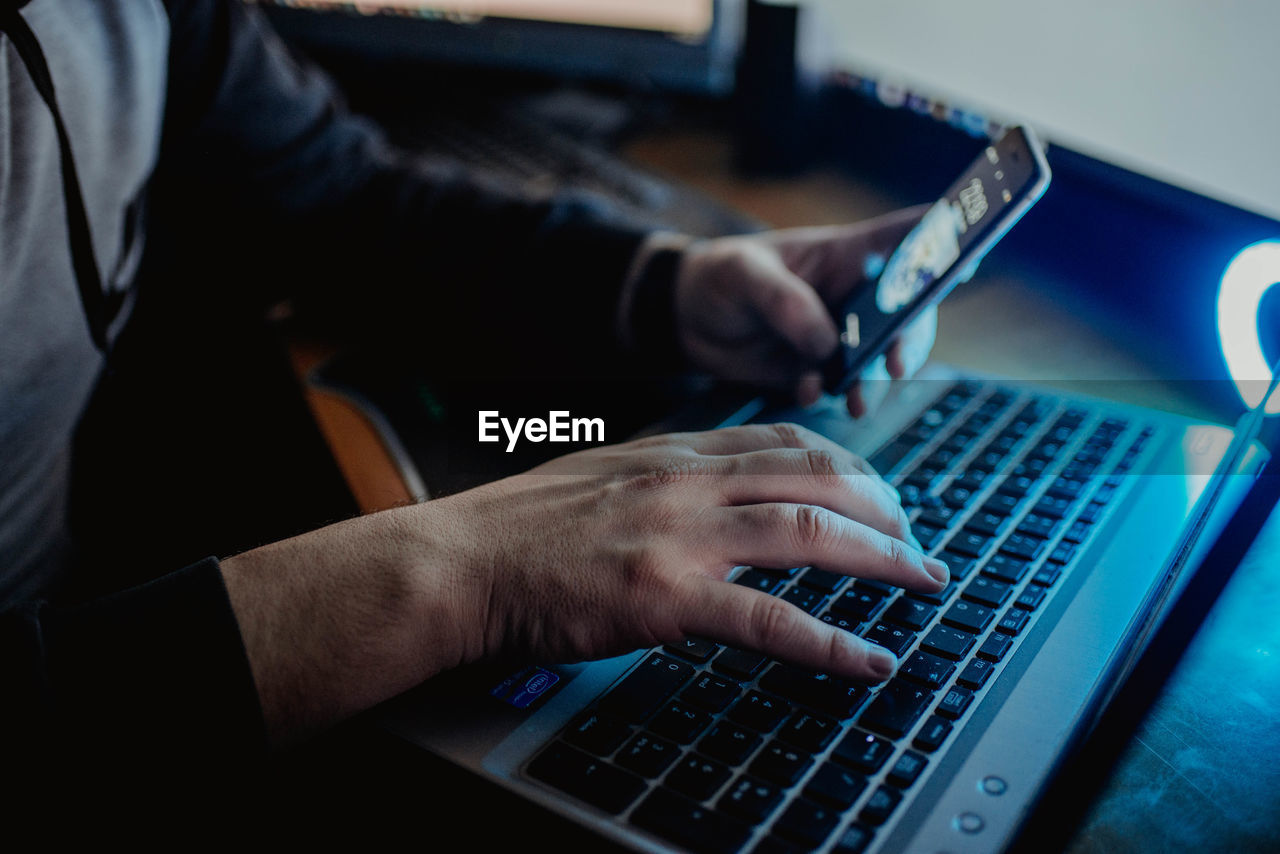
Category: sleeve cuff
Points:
column 646, row 310
column 157, row 673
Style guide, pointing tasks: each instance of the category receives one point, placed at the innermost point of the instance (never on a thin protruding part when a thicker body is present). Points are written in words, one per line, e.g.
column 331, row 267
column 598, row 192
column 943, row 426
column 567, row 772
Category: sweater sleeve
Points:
column 154, row 677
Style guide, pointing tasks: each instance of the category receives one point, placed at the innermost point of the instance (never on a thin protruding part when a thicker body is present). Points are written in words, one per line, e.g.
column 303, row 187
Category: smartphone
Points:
column 1002, row 183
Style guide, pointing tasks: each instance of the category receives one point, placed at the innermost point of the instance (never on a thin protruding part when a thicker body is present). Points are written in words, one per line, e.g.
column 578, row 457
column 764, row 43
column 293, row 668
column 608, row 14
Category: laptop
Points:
column 1073, row 525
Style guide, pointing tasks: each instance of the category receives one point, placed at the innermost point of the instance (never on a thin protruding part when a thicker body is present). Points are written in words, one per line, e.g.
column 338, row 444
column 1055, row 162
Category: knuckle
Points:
column 813, row 526
column 822, row 465
column 790, row 435
column 899, row 557
column 665, row 474
column 772, row 623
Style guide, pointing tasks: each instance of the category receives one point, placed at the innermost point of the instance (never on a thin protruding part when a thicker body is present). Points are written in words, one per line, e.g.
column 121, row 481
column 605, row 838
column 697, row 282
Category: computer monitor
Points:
column 665, row 45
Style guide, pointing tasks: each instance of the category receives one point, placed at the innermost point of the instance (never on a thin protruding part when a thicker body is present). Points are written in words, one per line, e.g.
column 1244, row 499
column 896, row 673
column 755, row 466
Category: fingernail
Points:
column 882, row 662
column 938, row 570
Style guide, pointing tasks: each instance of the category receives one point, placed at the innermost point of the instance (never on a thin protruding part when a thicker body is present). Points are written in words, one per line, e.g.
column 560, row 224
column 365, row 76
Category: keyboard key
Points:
column 884, row 460
column 750, row 799
column 696, row 650
column 806, row 822
column 854, row 840
column 698, row 777
column 646, row 688
column 834, row 785
column 647, row 755
column 927, row 535
column 1092, row 513
column 1001, row 506
column 937, row 517
column 777, row 845
column 932, row 734
column 805, row 599
column 680, row 722
column 1030, row 598
column 757, row 580
column 828, row 694
column 957, row 497
column 954, row 702
column 960, row 565
column 1078, row 532
column 906, row 770
column 948, row 642
column 1067, row 488
column 883, row 588
column 987, row 591
column 1030, row 468
column 1043, row 527
column 822, row 580
column 880, row 806
column 760, row 711
column 862, row 751
column 968, row 616
column 1022, row 546
column 938, row 598
column 848, row 624
column 1013, row 621
column 1015, row 488
column 970, row 543
column 892, row 638
column 858, row 604
column 711, row 692
column 989, row 460
column 739, row 663
column 995, row 647
column 973, row 480
column 975, row 673
column 729, row 743
column 987, row 523
column 1006, row 568
column 1047, row 576
column 910, row 613
column 781, row 763
column 928, row 670
column 597, row 733
column 1055, row 508
column 895, row 708
column 684, row 822
column 1063, row 553
column 586, row 778
column 809, row 732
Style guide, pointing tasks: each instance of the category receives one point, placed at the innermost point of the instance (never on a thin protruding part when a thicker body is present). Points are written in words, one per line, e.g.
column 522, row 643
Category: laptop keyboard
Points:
column 717, row 749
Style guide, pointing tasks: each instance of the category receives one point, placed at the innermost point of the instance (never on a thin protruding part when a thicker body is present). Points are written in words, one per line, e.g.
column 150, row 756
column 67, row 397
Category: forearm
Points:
column 340, row 619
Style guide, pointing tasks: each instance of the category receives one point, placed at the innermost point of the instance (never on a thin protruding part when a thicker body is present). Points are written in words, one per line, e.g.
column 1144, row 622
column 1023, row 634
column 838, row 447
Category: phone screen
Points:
column 986, row 200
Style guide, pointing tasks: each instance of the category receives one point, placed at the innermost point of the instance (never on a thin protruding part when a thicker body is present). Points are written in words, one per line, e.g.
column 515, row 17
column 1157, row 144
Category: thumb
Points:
column 789, row 306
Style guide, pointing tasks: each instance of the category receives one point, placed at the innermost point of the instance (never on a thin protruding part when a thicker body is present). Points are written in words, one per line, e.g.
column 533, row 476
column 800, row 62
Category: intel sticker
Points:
column 526, row 687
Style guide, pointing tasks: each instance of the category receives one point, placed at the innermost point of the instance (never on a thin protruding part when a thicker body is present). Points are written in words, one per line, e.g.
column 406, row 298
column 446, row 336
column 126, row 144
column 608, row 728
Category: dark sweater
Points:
column 200, row 89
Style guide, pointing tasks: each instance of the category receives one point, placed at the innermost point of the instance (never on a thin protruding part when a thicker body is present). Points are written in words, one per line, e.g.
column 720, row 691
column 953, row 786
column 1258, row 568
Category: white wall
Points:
column 1187, row 91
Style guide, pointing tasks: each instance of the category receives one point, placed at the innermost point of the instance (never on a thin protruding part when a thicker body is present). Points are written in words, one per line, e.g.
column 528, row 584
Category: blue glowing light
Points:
column 1254, row 271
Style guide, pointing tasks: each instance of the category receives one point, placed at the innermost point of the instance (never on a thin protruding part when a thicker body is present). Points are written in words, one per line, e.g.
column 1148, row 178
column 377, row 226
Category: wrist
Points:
column 340, row 619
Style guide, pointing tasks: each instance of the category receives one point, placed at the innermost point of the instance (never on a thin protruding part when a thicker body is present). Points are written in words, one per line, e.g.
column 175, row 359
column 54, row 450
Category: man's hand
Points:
column 593, row 554
column 758, row 308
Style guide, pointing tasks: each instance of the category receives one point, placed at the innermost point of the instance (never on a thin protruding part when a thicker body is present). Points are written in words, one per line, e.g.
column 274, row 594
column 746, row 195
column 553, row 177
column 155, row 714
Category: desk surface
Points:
column 1193, row 778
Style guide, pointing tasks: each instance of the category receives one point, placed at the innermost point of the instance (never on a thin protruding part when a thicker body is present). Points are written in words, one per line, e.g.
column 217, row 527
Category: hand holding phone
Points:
column 993, row 193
